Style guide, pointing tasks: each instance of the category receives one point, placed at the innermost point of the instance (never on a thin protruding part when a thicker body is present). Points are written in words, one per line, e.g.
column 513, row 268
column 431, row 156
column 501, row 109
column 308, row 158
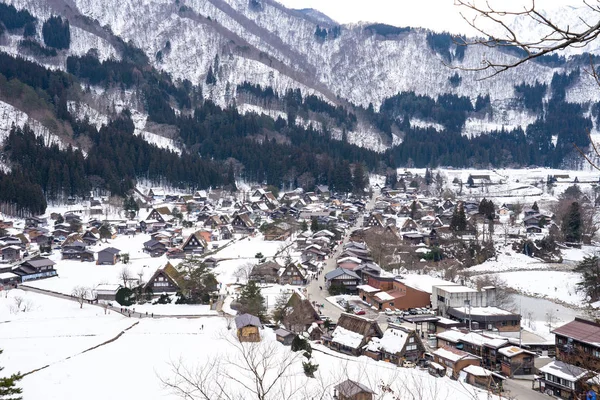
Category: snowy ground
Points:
column 73, row 273
column 51, row 330
column 554, row 285
column 133, row 365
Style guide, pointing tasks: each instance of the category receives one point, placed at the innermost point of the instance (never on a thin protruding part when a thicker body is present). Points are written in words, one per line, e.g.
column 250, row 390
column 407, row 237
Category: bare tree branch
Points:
column 557, row 37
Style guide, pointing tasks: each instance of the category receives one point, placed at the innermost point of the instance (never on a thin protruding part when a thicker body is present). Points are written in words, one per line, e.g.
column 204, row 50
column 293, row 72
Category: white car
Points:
column 408, row 364
column 388, row 311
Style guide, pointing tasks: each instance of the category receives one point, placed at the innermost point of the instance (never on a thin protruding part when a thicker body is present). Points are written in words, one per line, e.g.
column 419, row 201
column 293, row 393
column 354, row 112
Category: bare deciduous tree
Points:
column 494, row 22
column 244, row 271
column 125, row 276
column 251, row 371
column 80, row 293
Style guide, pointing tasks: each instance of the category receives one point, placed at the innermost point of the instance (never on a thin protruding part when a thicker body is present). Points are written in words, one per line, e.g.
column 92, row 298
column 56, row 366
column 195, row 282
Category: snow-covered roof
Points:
column 346, row 337
column 477, row 371
column 565, row 371
column 368, row 289
column 108, row 287
column 453, row 355
column 8, row 275
column 392, row 342
column 451, row 335
column 489, row 311
column 512, row 351
column 384, row 296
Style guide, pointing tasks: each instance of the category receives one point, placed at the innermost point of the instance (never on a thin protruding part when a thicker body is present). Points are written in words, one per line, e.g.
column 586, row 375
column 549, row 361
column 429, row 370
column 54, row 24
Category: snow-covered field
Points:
column 56, row 333
column 51, row 330
column 555, row 285
column 73, row 273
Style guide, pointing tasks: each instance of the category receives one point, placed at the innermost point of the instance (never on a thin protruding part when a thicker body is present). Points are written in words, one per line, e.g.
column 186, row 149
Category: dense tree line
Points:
column 33, row 47
column 13, row 19
column 57, row 32
column 60, row 173
column 445, row 45
column 532, row 96
column 449, row 110
column 386, row 30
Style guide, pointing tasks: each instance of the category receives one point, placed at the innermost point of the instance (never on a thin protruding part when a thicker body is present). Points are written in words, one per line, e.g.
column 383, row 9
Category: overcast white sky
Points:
column 439, row 15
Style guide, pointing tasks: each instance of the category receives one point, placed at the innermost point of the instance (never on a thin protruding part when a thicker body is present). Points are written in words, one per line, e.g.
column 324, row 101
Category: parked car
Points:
column 388, row 311
column 360, row 312
column 408, row 364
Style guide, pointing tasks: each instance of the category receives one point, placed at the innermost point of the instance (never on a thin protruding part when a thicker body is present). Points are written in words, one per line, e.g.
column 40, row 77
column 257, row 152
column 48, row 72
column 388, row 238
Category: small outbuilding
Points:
column 248, row 328
column 284, row 336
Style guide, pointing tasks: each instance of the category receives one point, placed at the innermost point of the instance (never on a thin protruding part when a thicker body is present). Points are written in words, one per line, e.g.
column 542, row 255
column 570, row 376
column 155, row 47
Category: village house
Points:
column 164, row 280
column 351, row 334
column 578, row 342
column 398, row 344
column 350, row 390
column 487, row 318
column 484, row 378
column 517, row 361
column 248, row 328
column 107, row 292
column 454, row 360
column 155, row 248
column 37, row 268
column 76, row 250
column 563, row 380
column 108, row 256
column 390, row 292
column 449, row 295
column 292, row 275
column 10, row 253
column 342, row 280
column 284, row 336
column 242, row 224
column 267, row 272
column 195, row 244
column 300, row 315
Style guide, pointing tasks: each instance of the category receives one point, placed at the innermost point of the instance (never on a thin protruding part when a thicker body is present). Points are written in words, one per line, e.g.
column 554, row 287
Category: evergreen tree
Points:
column 458, row 223
column 314, row 225
column 281, row 306
column 470, row 181
column 211, row 79
column 303, row 226
column 589, row 268
column 8, row 386
column 198, row 281
column 359, row 180
column 56, row 32
column 572, row 224
column 105, row 232
column 535, row 207
column 251, row 301
column 428, row 177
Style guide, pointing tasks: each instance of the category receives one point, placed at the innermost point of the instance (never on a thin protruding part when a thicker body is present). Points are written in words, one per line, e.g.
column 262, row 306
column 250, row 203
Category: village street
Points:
column 313, row 289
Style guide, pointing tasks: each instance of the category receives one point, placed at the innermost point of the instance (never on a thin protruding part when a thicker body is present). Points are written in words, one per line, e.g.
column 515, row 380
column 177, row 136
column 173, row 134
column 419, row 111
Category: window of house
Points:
column 391, row 304
column 411, row 340
column 411, row 347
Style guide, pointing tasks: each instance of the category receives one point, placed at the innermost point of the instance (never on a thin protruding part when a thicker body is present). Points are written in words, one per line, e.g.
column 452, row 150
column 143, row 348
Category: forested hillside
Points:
column 99, row 92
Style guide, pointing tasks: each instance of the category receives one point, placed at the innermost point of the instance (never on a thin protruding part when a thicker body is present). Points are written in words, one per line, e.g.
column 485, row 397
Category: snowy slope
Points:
column 273, row 46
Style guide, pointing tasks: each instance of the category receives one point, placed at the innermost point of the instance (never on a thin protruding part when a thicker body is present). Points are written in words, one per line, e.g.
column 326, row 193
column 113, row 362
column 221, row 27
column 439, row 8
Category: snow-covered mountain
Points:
column 262, row 42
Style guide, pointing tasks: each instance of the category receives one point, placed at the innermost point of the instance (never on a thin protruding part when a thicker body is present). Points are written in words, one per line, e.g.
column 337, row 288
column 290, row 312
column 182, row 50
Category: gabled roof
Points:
column 110, row 250
column 339, row 272
column 581, row 330
column 247, row 320
column 350, row 388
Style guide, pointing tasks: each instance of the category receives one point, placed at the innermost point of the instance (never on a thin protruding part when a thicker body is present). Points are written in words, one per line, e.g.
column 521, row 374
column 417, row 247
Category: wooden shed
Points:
column 248, row 328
